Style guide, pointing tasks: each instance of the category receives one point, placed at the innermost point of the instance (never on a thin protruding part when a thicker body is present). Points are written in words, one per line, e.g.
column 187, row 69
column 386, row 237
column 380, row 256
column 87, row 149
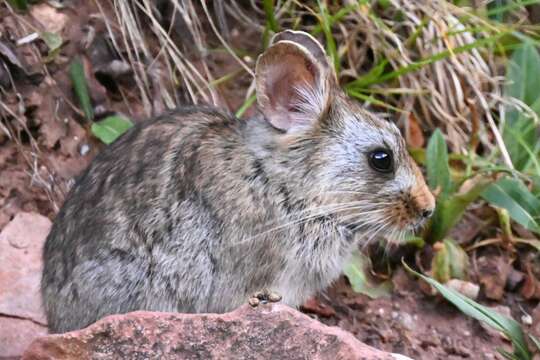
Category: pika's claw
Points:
column 264, row 297
column 274, row 297
column 253, row 301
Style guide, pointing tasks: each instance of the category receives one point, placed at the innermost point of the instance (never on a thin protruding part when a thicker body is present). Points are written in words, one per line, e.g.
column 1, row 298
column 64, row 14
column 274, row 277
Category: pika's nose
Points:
column 426, row 213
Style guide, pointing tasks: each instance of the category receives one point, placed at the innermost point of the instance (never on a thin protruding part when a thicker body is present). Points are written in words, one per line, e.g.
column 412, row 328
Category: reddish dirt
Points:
column 36, row 175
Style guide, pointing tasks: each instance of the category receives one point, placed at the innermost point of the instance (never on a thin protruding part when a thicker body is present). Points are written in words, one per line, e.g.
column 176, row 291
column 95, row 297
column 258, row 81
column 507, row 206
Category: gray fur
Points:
column 196, row 210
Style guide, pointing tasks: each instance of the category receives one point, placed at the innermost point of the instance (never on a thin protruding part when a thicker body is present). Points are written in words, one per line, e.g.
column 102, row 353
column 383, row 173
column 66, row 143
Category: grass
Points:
column 468, row 75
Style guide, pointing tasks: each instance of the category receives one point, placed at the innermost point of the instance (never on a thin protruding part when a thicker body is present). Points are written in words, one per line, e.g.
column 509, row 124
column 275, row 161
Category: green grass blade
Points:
column 450, row 209
column 373, row 100
column 331, row 48
column 369, row 78
column 522, row 74
column 78, row 79
column 246, row 105
column 337, row 17
column 438, row 171
column 439, row 56
column 535, row 341
column 356, row 271
column 513, row 195
column 271, row 21
column 19, row 4
column 510, row 7
column 499, row 322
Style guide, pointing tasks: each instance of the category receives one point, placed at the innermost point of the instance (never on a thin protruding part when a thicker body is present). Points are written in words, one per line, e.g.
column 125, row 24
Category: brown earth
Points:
column 52, row 144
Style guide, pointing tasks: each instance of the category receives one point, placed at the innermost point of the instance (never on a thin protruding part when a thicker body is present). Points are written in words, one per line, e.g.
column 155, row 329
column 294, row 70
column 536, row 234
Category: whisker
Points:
column 334, row 209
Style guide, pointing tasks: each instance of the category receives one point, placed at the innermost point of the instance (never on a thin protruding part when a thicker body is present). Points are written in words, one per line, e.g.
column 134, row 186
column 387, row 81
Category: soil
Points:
column 51, row 143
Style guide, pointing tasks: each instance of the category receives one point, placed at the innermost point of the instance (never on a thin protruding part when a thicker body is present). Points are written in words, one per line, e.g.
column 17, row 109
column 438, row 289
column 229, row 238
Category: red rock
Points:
column 314, row 306
column 21, row 316
column 271, row 331
column 16, row 335
column 21, row 244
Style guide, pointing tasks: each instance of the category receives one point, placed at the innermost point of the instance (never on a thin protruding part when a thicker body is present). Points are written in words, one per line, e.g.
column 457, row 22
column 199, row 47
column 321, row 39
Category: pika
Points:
column 195, row 210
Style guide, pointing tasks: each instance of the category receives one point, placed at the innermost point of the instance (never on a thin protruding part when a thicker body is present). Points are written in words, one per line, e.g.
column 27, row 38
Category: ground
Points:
column 53, row 143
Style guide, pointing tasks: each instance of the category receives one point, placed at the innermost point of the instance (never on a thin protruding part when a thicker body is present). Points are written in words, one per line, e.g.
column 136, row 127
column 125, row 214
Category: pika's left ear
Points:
column 310, row 43
column 294, row 81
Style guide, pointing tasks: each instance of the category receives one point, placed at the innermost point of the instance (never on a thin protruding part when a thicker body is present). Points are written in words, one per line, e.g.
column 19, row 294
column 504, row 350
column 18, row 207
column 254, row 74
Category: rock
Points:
column 50, row 18
column 17, row 334
column 21, row 244
column 493, row 272
column 467, row 288
column 314, row 306
column 21, row 316
column 514, row 279
column 269, row 331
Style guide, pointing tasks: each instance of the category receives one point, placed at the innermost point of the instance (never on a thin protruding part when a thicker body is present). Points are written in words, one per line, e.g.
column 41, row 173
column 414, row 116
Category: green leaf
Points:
column 78, row 79
column 417, row 65
column 416, row 241
column 269, row 11
column 356, row 272
column 513, row 195
column 535, row 340
column 440, row 265
column 520, row 133
column 326, row 25
column 54, row 43
column 368, row 78
column 522, row 141
column 450, row 262
column 451, row 208
column 110, row 128
column 523, row 72
column 245, row 106
column 19, row 4
column 506, row 325
column 536, row 185
column 438, row 171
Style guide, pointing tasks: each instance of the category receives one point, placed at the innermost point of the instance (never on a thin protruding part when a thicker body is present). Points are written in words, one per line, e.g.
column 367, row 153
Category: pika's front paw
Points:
column 263, row 297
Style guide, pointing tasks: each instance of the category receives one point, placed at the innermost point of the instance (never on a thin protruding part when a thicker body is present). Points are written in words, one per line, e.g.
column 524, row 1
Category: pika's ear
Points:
column 294, row 82
column 309, row 42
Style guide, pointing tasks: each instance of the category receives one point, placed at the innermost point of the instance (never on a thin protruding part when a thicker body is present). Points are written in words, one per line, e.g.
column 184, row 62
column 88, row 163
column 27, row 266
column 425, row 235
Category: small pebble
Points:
column 526, row 319
column 85, row 148
column 407, row 321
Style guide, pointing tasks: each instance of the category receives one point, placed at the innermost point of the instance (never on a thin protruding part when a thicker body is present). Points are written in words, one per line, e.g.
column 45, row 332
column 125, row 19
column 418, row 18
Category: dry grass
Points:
column 427, row 61
column 430, row 54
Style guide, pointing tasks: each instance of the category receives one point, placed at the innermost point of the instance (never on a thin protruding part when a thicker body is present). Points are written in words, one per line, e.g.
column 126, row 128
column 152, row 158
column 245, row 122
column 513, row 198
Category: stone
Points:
column 269, row 331
column 16, row 335
column 50, row 18
column 21, row 246
column 21, row 315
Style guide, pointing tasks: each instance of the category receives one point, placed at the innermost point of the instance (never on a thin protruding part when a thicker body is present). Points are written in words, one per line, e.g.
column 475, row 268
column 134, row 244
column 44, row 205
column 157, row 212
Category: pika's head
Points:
column 348, row 162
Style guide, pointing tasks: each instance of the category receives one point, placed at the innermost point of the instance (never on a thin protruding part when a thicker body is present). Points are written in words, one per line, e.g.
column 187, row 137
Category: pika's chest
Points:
column 313, row 264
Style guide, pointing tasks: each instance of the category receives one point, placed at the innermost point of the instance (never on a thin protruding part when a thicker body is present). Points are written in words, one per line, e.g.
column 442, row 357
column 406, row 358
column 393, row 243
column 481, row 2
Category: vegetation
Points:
column 466, row 77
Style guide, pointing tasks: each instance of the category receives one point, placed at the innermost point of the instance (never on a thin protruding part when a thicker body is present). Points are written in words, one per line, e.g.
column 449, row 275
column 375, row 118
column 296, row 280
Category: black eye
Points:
column 381, row 160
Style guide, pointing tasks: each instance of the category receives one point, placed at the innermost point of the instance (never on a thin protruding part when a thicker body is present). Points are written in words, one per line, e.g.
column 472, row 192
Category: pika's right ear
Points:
column 293, row 85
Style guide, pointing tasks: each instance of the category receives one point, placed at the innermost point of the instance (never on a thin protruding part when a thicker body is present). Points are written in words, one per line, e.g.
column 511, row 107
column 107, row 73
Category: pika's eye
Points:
column 381, row 160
